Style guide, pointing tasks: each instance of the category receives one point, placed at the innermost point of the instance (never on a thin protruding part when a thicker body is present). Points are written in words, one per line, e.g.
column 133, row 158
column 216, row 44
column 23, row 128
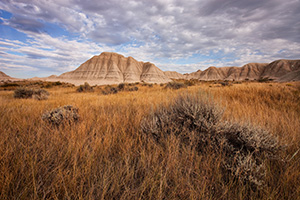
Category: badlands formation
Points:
column 280, row 70
column 5, row 78
column 113, row 68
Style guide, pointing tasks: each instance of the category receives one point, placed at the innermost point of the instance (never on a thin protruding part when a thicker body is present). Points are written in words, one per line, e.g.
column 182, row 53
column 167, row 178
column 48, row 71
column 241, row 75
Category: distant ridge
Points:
column 279, row 70
column 112, row 68
column 4, row 77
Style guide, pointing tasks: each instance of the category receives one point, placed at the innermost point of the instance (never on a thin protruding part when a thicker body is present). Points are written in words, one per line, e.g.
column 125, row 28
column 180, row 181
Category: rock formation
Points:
column 280, row 70
column 174, row 75
column 4, row 77
column 193, row 75
column 113, row 68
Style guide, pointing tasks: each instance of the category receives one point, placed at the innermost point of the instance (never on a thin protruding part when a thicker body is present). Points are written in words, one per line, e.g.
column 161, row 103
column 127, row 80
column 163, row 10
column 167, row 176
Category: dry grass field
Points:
column 106, row 155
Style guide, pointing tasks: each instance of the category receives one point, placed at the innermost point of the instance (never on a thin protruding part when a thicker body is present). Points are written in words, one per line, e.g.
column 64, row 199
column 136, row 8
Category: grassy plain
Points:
column 105, row 155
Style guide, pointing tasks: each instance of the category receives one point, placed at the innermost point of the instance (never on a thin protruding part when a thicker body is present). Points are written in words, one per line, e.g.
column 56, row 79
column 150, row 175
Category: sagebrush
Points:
column 85, row 88
column 175, row 85
column 63, row 115
column 26, row 93
column 196, row 120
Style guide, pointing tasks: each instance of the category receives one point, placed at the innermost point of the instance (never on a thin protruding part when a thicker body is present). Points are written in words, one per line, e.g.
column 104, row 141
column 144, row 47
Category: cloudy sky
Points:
column 44, row 37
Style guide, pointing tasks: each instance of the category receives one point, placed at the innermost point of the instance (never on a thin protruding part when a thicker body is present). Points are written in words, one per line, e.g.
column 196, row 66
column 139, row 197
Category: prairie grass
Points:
column 105, row 156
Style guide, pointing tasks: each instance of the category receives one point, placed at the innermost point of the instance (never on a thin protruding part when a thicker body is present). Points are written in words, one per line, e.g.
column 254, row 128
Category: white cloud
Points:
column 63, row 55
column 221, row 32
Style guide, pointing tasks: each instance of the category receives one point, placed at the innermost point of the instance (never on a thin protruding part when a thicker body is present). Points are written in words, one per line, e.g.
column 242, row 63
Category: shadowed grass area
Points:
column 106, row 156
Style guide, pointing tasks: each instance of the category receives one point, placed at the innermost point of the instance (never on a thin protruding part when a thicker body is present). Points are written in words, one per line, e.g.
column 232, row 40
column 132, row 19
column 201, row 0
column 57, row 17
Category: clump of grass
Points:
column 62, row 115
column 85, row 88
column 175, row 85
column 26, row 93
column 196, row 121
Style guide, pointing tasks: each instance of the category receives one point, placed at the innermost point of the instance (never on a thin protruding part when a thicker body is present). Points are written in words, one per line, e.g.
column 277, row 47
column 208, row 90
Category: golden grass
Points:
column 105, row 156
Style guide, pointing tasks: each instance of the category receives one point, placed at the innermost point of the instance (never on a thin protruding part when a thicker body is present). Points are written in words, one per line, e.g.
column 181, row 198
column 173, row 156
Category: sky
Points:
column 45, row 37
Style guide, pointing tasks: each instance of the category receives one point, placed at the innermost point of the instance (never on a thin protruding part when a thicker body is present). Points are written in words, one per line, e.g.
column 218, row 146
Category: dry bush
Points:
column 54, row 84
column 190, row 82
column 264, row 80
column 8, row 84
column 109, row 90
column 247, row 148
column 224, row 83
column 187, row 112
column 23, row 93
column 26, row 93
column 133, row 89
column 40, row 94
column 62, row 115
column 121, row 86
column 150, row 85
column 196, row 120
column 175, row 85
column 85, row 88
